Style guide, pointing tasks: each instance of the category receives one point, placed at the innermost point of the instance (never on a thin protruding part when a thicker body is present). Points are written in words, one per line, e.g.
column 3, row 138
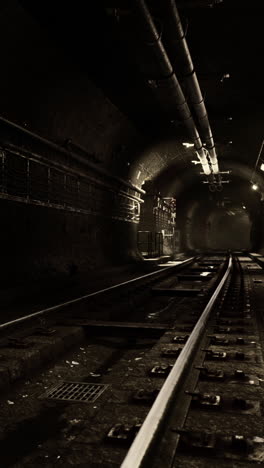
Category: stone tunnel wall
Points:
column 45, row 92
column 62, row 219
column 38, row 242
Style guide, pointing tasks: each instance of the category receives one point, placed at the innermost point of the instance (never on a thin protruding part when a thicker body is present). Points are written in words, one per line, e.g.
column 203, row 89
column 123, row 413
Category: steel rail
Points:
column 141, row 446
column 87, row 296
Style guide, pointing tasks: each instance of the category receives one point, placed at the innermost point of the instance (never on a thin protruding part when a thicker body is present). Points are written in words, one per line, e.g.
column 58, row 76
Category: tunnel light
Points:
column 188, row 145
column 254, row 187
column 243, row 206
column 262, row 167
column 225, row 76
column 196, row 162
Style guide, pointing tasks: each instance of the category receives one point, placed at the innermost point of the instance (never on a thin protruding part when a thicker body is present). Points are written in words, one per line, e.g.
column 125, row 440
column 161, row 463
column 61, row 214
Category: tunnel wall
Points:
column 38, row 242
column 55, row 98
column 46, row 92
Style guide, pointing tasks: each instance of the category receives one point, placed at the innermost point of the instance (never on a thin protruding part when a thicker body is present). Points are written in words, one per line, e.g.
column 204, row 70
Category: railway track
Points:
column 162, row 372
column 215, row 414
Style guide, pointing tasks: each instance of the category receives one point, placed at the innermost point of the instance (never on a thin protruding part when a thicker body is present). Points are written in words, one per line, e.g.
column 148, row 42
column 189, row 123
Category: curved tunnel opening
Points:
column 197, row 219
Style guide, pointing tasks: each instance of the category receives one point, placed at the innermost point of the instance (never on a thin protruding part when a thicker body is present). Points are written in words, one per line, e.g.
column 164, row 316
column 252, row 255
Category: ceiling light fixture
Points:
column 225, row 76
column 188, row 145
column 252, row 179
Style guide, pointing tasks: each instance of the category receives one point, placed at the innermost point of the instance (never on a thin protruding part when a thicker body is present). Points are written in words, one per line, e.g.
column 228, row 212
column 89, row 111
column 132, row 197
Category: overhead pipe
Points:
column 190, row 79
column 204, row 161
column 168, row 74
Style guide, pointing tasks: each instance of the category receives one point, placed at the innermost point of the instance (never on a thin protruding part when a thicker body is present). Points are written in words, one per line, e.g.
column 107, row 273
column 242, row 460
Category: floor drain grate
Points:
column 75, row 391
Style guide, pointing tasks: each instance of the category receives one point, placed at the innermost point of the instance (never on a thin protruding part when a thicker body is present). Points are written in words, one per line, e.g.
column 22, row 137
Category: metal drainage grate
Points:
column 75, row 391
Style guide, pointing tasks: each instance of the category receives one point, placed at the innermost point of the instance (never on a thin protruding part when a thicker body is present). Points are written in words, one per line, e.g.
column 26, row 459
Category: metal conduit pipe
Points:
column 190, row 79
column 167, row 72
column 204, row 161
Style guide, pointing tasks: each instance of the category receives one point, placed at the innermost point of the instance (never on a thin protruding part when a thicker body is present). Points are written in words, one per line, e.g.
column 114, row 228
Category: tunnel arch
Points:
column 203, row 213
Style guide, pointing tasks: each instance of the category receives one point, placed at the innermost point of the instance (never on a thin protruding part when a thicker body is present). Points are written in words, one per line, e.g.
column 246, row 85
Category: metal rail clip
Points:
column 161, row 371
column 211, row 374
column 123, row 432
column 205, row 400
column 167, row 352
column 215, row 355
column 181, row 339
column 145, row 396
column 215, row 340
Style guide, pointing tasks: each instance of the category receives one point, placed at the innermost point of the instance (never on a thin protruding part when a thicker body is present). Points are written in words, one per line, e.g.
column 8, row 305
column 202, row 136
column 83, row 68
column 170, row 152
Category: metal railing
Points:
column 30, row 178
column 28, row 138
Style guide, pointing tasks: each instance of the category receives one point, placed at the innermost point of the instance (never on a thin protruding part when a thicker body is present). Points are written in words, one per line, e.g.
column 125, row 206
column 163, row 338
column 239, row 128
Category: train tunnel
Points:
column 83, row 95
column 131, row 138
column 91, row 129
